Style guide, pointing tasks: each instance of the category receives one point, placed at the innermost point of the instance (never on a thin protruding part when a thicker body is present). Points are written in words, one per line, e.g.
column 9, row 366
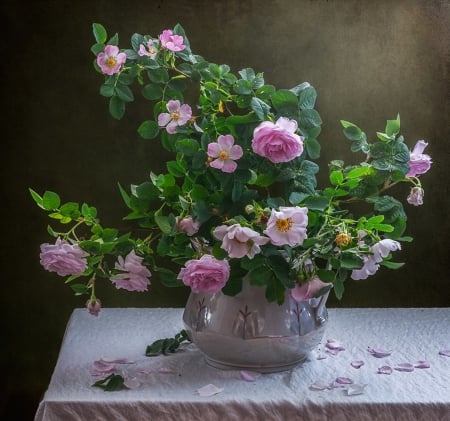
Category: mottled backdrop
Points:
column 368, row 61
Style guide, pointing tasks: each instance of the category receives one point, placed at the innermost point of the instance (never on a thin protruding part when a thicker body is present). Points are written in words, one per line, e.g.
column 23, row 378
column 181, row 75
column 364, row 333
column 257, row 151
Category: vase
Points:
column 246, row 332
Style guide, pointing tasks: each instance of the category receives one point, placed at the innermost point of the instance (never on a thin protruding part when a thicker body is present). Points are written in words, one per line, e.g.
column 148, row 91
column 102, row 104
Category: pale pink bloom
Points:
column 287, row 226
column 171, row 41
column 415, row 196
column 277, row 142
column 419, row 163
column 206, row 274
column 111, row 60
column 178, row 115
column 63, row 258
column 94, row 306
column 240, row 241
column 135, row 276
column 308, row 289
column 379, row 251
column 225, row 153
column 188, row 225
column 148, row 49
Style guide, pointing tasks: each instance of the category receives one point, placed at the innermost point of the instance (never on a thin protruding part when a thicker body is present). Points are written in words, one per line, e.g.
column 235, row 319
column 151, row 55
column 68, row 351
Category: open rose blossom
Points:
column 287, row 226
column 277, row 142
column 308, row 289
column 224, row 152
column 111, row 60
column 171, row 41
column 240, row 241
column 206, row 274
column 178, row 115
column 63, row 258
column 134, row 276
column 419, row 163
column 188, row 226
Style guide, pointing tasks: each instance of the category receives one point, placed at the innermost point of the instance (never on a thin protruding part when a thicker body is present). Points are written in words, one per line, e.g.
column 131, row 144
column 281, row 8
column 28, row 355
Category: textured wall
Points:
column 368, row 61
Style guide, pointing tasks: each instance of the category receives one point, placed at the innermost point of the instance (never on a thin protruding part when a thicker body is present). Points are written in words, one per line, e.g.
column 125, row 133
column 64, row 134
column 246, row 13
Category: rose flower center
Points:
column 223, row 155
column 111, row 61
column 284, row 225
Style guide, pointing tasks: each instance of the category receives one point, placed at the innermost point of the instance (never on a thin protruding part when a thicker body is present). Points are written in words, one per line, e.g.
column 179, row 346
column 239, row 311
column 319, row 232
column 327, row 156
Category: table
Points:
column 168, row 385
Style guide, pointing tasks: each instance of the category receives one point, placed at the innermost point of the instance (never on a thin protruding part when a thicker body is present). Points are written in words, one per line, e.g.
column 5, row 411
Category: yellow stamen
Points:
column 343, row 239
column 284, row 225
column 223, row 155
column 111, row 61
column 221, row 107
column 175, row 115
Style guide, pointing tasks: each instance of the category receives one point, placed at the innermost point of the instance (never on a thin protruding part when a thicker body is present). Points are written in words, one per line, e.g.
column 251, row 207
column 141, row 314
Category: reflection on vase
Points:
column 247, row 332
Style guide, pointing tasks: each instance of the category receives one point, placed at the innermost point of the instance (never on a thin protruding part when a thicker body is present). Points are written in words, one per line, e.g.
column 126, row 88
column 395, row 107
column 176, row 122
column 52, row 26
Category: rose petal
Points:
column 379, row 353
column 445, row 352
column 385, row 369
column 421, row 364
column 116, row 360
column 319, row 385
column 102, row 366
column 343, row 380
column 321, row 356
column 357, row 364
column 133, row 383
column 404, row 367
column 355, row 389
column 247, row 376
column 334, row 345
column 209, row 390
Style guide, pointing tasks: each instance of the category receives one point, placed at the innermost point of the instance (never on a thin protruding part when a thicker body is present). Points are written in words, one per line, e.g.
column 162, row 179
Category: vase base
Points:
column 273, row 368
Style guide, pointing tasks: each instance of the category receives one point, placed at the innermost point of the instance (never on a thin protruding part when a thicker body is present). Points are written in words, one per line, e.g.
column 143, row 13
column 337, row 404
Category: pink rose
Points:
column 206, row 274
column 110, row 60
column 224, row 152
column 277, row 142
column 308, row 290
column 287, row 226
column 170, row 41
column 415, row 196
column 188, row 226
column 63, row 258
column 134, row 275
column 93, row 306
column 419, row 163
column 178, row 115
column 240, row 241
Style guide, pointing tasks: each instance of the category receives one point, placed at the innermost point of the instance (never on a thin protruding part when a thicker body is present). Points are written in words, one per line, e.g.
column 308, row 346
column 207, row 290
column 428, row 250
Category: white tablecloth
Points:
column 168, row 384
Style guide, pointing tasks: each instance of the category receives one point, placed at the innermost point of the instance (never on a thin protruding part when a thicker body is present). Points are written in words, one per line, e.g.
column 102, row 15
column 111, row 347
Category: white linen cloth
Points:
column 169, row 384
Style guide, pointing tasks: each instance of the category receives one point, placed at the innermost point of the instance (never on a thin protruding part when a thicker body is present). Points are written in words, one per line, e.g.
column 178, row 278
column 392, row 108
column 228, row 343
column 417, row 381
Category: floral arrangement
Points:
column 240, row 196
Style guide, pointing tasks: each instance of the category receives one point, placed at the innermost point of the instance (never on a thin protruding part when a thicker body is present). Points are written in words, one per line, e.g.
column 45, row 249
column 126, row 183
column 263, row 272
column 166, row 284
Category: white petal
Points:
column 355, row 389
column 319, row 385
column 379, row 353
column 102, row 366
column 421, row 364
column 209, row 390
column 247, row 376
column 117, row 360
column 357, row 363
column 385, row 369
column 445, row 352
column 404, row 367
column 133, row 383
column 343, row 380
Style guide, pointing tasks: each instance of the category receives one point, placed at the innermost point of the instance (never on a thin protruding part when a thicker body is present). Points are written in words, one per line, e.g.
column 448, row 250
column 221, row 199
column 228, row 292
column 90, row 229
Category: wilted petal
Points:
column 421, row 364
column 355, row 389
column 445, row 352
column 385, row 369
column 133, row 383
column 379, row 353
column 101, row 366
column 319, row 385
column 404, row 367
column 357, row 364
column 117, row 360
column 209, row 390
column 247, row 376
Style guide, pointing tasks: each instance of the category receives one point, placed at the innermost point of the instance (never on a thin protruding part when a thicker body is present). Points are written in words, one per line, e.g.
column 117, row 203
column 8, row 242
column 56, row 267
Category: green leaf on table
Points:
column 112, row 383
column 167, row 345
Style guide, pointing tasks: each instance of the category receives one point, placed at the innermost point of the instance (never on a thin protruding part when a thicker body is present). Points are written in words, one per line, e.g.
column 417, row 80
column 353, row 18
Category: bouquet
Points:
column 239, row 198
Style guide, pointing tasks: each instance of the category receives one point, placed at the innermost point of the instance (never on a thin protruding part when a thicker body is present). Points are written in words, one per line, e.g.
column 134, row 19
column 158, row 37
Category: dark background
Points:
column 367, row 60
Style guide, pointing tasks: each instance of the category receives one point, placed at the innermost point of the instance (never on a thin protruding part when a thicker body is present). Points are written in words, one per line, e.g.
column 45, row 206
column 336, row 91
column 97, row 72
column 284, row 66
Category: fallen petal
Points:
column 343, row 380
column 379, row 353
column 355, row 389
column 404, row 367
column 116, row 360
column 321, row 356
column 421, row 364
column 357, row 363
column 133, row 383
column 247, row 376
column 319, row 385
column 385, row 369
column 103, row 367
column 333, row 344
column 333, row 351
column 445, row 352
column 209, row 390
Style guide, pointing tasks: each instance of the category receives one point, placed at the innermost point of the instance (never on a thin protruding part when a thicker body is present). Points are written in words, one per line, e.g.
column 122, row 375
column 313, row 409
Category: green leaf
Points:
column 99, row 32
column 124, row 93
column 36, row 197
column 353, row 133
column 107, row 90
column 50, row 200
column 391, row 265
column 312, row 148
column 116, row 107
column 163, row 223
column 260, row 108
column 167, row 345
column 152, row 92
column 307, row 98
column 358, row 172
column 393, row 126
column 111, row 383
column 309, row 118
column 336, row 177
column 148, row 129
